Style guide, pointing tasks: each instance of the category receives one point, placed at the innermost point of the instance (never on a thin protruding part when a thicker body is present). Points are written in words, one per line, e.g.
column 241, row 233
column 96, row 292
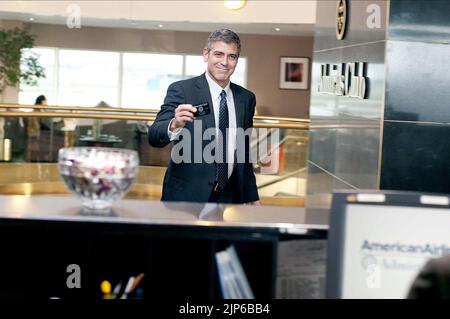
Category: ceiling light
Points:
column 160, row 25
column 31, row 19
column 277, row 29
column 234, row 4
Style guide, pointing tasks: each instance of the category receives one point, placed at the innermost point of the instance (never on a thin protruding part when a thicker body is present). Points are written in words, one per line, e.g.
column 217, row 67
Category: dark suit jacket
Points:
column 194, row 181
column 433, row 282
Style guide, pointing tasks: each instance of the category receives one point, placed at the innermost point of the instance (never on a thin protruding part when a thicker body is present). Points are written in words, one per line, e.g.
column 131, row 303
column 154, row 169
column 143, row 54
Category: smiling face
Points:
column 221, row 61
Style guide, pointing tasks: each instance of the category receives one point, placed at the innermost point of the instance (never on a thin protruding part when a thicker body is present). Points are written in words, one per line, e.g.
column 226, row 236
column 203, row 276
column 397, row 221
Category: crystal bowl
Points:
column 98, row 176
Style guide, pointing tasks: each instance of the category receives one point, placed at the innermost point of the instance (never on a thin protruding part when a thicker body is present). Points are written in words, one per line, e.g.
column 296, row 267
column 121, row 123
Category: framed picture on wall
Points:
column 294, row 73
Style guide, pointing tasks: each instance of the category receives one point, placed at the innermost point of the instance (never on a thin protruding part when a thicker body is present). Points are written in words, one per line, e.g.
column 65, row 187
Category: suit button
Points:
column 161, row 140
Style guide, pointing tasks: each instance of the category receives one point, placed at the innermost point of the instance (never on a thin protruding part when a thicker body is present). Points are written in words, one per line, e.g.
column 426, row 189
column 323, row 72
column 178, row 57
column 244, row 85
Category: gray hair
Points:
column 226, row 36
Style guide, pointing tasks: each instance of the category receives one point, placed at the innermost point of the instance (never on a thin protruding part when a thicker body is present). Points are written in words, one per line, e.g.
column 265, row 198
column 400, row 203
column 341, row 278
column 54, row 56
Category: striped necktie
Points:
column 222, row 165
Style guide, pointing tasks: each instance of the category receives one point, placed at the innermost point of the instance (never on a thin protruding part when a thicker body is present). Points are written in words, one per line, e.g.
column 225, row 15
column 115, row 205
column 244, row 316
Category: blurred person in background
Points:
column 34, row 125
column 433, row 281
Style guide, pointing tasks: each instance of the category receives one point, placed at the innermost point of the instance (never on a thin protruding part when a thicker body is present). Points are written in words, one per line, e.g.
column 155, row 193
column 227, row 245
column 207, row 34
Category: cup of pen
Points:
column 98, row 176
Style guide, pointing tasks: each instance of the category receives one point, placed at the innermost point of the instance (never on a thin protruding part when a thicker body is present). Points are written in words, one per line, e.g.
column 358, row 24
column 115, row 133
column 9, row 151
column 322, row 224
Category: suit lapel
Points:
column 202, row 85
column 238, row 106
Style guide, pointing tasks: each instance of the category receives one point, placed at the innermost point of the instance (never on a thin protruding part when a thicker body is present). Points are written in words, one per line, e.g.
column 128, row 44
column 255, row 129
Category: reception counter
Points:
column 172, row 244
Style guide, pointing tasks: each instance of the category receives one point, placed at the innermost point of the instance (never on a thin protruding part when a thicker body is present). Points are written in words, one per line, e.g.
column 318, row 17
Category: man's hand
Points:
column 183, row 113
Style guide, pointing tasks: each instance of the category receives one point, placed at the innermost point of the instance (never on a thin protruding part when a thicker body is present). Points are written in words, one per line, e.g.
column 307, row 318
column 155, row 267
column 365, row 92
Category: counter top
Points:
column 293, row 220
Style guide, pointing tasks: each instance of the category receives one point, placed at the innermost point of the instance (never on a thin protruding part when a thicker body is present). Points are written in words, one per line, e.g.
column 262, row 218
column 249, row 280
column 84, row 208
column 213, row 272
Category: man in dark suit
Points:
column 196, row 177
column 433, row 282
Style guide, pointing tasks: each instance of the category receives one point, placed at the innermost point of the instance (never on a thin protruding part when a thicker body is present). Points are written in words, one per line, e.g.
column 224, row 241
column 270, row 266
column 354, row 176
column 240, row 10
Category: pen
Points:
column 137, row 281
column 127, row 288
column 116, row 290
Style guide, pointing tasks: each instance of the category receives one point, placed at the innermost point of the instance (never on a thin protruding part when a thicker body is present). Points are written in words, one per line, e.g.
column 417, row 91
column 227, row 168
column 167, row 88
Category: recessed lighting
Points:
column 31, row 19
column 160, row 25
column 234, row 4
column 277, row 29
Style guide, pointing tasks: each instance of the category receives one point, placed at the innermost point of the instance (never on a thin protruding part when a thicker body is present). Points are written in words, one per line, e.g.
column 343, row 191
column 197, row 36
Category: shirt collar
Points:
column 215, row 88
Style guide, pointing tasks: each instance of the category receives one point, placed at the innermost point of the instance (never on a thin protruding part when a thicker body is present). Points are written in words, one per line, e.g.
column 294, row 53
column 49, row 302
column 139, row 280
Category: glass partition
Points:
column 31, row 136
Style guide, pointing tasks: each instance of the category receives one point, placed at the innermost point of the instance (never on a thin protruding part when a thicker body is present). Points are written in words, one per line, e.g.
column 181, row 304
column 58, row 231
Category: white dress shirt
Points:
column 215, row 90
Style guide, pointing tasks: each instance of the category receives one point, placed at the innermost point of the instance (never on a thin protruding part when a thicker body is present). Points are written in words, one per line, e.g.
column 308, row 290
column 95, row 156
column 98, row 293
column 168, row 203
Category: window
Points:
column 146, row 78
column 132, row 80
column 28, row 94
column 86, row 78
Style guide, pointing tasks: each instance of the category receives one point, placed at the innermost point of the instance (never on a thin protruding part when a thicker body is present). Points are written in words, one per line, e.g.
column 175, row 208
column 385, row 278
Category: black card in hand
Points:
column 202, row 109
